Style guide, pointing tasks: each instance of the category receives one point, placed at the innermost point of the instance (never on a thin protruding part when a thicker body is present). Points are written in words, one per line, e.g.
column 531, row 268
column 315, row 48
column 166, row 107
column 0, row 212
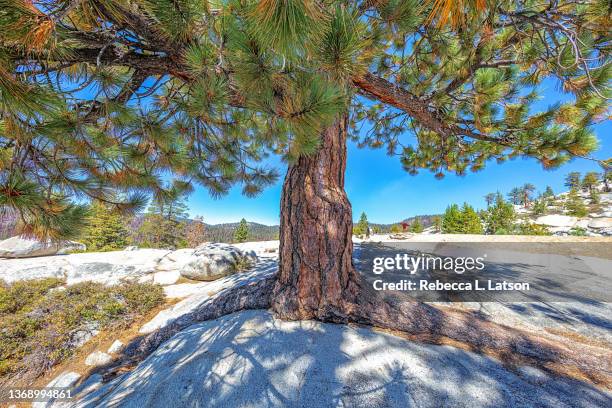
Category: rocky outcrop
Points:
column 564, row 225
column 251, row 359
column 98, row 358
column 211, row 261
column 599, row 223
column 116, row 347
column 160, row 266
column 556, row 220
column 23, row 247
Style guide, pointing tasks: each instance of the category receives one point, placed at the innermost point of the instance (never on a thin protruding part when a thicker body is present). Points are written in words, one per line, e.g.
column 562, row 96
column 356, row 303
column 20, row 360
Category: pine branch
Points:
column 382, row 90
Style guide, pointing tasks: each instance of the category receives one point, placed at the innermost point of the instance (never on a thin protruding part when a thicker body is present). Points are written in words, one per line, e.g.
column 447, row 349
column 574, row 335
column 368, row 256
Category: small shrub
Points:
column 242, row 264
column 39, row 325
column 22, row 294
column 575, row 206
column 141, row 297
column 578, row 232
column 532, row 229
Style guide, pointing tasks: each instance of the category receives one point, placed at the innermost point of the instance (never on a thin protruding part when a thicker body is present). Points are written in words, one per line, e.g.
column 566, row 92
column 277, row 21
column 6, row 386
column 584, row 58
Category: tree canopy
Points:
column 110, row 99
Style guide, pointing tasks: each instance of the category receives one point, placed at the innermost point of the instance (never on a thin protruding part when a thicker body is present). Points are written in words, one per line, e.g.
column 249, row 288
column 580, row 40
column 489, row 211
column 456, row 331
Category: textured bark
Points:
column 316, row 278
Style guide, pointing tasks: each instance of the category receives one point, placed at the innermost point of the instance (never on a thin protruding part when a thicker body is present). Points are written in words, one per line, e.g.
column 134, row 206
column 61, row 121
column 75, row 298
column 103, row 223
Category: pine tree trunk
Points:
column 316, row 278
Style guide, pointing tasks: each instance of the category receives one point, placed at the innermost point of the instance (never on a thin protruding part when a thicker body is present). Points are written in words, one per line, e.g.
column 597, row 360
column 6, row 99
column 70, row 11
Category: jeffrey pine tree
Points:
column 105, row 230
column 362, row 227
column 241, row 234
column 99, row 95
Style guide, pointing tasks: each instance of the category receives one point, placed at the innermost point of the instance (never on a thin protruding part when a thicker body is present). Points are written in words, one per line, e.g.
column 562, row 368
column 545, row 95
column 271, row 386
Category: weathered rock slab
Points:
column 24, row 247
column 598, row 223
column 206, row 262
column 557, row 220
column 98, row 358
column 116, row 347
column 251, row 359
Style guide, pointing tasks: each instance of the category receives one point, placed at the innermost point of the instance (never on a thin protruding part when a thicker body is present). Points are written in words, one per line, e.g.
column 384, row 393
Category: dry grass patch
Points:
column 43, row 322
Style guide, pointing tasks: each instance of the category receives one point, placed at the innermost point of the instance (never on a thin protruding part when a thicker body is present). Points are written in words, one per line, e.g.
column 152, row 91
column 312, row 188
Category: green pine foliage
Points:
column 573, row 180
column 106, row 229
column 437, row 223
column 500, row 217
column 590, row 180
column 461, row 220
column 362, row 227
column 532, row 229
column 470, row 220
column 539, row 207
column 548, row 193
column 416, row 226
column 164, row 225
column 396, row 228
column 241, row 234
column 578, row 232
column 574, row 204
column 515, row 196
column 111, row 99
column 595, row 197
column 451, row 220
column 526, row 191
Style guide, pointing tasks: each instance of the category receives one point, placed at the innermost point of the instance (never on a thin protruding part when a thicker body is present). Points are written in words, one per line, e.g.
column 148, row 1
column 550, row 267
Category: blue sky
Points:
column 377, row 184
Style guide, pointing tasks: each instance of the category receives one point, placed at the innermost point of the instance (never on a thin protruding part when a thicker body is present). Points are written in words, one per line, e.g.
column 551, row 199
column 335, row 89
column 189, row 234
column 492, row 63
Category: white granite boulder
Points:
column 211, row 261
column 98, row 358
column 116, row 347
column 24, row 247
column 598, row 223
column 104, row 267
column 206, row 262
column 557, row 220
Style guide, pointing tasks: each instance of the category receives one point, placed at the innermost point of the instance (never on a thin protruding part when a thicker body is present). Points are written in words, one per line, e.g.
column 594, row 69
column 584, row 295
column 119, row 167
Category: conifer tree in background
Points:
column 539, row 207
column 396, row 228
column 573, row 180
column 416, row 226
column 590, row 180
column 548, row 193
column 470, row 220
column 500, row 217
column 526, row 191
column 489, row 199
column 437, row 223
column 362, row 227
column 242, row 231
column 110, row 95
column 195, row 232
column 164, row 224
column 105, row 230
column 574, row 204
column 594, row 196
column 607, row 175
column 515, row 195
column 451, row 220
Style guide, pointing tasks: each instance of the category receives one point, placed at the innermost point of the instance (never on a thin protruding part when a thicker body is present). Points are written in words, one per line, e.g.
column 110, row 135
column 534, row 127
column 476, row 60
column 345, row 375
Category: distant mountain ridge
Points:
column 225, row 232
column 426, row 220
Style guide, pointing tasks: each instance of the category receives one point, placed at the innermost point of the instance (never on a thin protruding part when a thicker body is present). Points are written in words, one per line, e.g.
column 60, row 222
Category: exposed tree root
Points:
column 426, row 323
column 413, row 320
column 254, row 295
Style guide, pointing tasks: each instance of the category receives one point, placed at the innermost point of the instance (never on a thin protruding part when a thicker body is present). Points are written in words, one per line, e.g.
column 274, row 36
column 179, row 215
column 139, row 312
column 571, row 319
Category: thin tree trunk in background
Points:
column 316, row 277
